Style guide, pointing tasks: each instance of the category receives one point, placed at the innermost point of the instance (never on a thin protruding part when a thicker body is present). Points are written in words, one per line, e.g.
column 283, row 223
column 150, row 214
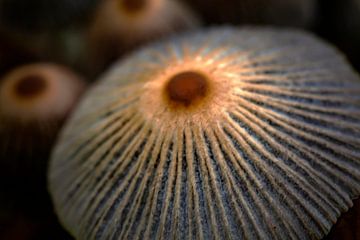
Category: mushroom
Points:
column 34, row 102
column 121, row 25
column 224, row 133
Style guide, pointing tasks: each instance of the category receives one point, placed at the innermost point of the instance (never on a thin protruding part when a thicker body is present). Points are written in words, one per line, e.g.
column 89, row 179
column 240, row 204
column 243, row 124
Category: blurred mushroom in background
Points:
column 120, row 26
column 35, row 100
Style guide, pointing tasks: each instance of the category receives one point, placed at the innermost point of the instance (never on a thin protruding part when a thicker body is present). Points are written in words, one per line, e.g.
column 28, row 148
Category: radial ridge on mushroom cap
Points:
column 224, row 133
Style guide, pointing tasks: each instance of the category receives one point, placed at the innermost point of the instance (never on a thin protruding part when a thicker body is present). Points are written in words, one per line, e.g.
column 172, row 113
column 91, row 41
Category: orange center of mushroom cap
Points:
column 187, row 87
column 30, row 86
column 132, row 6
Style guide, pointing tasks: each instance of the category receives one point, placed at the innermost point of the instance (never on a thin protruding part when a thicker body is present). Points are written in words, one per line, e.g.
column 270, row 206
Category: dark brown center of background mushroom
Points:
column 30, row 86
column 133, row 6
column 187, row 87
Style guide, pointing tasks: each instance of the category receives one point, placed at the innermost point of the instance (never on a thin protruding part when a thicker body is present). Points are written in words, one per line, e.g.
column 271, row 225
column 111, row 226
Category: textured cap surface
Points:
column 271, row 149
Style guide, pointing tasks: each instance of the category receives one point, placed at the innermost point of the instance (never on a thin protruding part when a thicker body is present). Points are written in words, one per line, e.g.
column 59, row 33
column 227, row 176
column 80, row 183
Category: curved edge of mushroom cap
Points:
column 38, row 92
column 348, row 225
column 282, row 161
column 35, row 99
column 157, row 17
column 114, row 32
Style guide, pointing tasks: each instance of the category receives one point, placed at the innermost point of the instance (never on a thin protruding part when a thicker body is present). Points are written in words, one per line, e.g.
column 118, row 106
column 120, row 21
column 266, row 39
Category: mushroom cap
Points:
column 35, row 100
column 143, row 21
column 38, row 92
column 122, row 25
column 224, row 133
